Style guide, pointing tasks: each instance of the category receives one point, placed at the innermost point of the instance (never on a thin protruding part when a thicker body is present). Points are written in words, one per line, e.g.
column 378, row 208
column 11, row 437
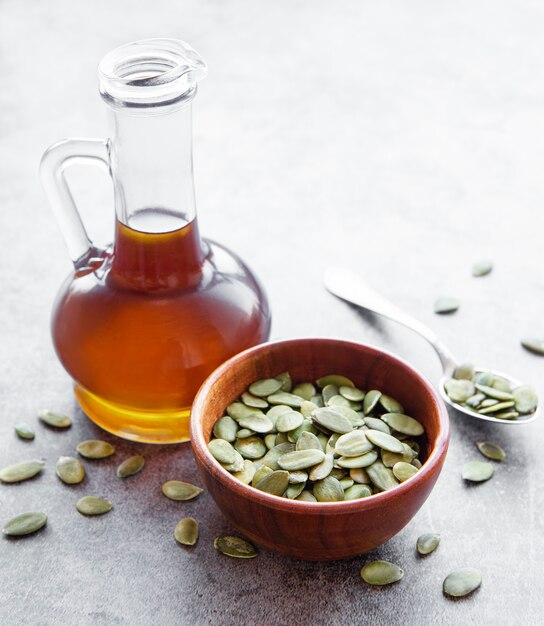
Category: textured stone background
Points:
column 404, row 139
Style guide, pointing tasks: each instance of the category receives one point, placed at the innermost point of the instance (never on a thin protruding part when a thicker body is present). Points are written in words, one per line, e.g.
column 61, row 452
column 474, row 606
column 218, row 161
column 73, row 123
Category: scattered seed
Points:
column 56, row 420
column 533, row 344
column 93, row 505
column 179, row 490
column 446, row 305
column 186, row 531
column 21, row 471
column 24, row 431
column 477, row 471
column 381, row 573
column 482, row 268
column 95, row 449
column 235, row 546
column 462, row 582
column 25, row 524
column 131, row 466
column 427, row 543
column 70, row 470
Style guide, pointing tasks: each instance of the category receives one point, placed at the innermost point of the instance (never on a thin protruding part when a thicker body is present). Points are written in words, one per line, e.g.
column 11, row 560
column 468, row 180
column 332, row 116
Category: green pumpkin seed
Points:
column 351, row 462
column 181, row 491
column 403, row 424
column 371, row 400
column 253, row 401
column 270, row 459
column 390, row 405
column 359, row 475
column 323, row 469
column 357, row 491
column 403, row 471
column 274, row 483
column 318, row 401
column 339, row 400
column 465, row 371
column 304, row 390
column 482, row 268
column 416, row 463
column 345, row 482
column 131, row 466
column 257, row 423
column 491, row 451
column 328, row 490
column 294, row 490
column 282, row 397
column 56, row 420
column 93, row 505
column 308, row 441
column 477, row 471
column 474, row 401
column 186, row 531
column 332, row 420
column 354, row 443
column 445, row 305
column 502, row 384
column 270, row 441
column 488, row 402
column 354, row 417
column 385, row 441
column 265, row 387
column 459, row 390
column 237, row 410
column 525, row 399
column 222, row 451
column 381, row 477
column 244, row 433
column 286, row 382
column 95, row 449
column 235, row 547
column 225, row 428
column 289, row 421
column 328, row 392
column 533, row 344
column 351, row 393
column 334, row 379
column 306, row 496
column 494, row 393
column 381, row 573
column 24, row 431
column 427, row 543
column 260, row 474
column 297, row 477
column 506, row 415
column 339, row 473
column 246, row 474
column 237, row 465
column 300, row 459
column 462, row 582
column 391, row 458
column 21, row 471
column 307, row 407
column 375, row 423
column 484, row 378
column 25, row 524
column 251, row 447
column 307, row 426
column 497, row 407
column 70, row 470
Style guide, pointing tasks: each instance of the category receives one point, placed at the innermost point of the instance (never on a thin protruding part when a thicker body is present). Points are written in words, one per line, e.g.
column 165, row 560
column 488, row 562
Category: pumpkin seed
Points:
column 465, row 371
column 297, row 477
column 222, row 451
column 381, row 573
column 332, row 420
column 21, row 471
column 371, row 400
column 416, row 463
column 427, row 543
column 237, row 465
column 323, row 469
column 246, row 474
column 404, row 471
column 385, row 441
column 491, row 451
column 502, row 384
column 459, row 390
column 484, row 378
column 294, row 490
column 270, row 441
column 403, row 424
column 339, row 400
column 355, row 418
column 253, row 401
column 381, row 477
column 482, row 268
column 257, row 423
column 498, row 406
column 391, row 458
column 328, row 392
column 237, row 410
column 289, row 421
column 286, row 382
column 359, row 475
column 70, row 470
column 375, row 423
column 328, row 490
column 274, row 483
column 494, row 393
column 334, row 379
column 390, row 405
column 251, row 447
column 525, row 399
column 282, row 397
column 533, row 344
column 95, row 449
column 354, row 443
column 307, row 407
column 260, row 474
column 306, row 496
column 351, row 393
column 186, row 531
column 364, row 460
column 93, row 505
column 345, row 482
column 308, row 441
column 506, row 415
column 446, row 305
column 225, row 428
column 474, row 401
column 244, row 433
column 304, row 390
column 357, row 491
column 462, row 582
column 24, row 431
column 25, row 524
column 131, row 466
column 56, row 420
column 488, row 402
column 235, row 547
column 270, row 459
column 307, row 426
column 301, row 459
column 477, row 471
column 265, row 387
column 179, row 490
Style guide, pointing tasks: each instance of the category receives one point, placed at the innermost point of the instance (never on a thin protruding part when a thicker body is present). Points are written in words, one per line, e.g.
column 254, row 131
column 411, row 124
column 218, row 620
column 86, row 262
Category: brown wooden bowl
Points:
column 319, row 530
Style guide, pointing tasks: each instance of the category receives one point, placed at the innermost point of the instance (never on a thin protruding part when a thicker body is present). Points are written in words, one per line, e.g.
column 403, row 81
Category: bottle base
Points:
column 142, row 426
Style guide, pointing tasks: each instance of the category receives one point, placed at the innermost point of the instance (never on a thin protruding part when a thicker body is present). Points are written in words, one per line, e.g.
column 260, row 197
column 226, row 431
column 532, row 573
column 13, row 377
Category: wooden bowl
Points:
column 319, row 530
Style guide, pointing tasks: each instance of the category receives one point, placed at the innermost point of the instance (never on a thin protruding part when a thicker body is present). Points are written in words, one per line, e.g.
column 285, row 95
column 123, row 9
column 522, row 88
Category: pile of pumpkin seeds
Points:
column 489, row 394
column 317, row 443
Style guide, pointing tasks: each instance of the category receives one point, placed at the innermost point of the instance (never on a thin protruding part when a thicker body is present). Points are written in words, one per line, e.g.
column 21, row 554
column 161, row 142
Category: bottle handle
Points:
column 56, row 159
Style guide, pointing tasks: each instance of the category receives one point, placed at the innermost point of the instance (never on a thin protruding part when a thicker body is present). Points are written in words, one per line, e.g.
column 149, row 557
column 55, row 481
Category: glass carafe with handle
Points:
column 139, row 324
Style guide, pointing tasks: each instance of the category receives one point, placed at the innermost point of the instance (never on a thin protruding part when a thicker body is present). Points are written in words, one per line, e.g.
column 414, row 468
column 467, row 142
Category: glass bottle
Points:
column 139, row 324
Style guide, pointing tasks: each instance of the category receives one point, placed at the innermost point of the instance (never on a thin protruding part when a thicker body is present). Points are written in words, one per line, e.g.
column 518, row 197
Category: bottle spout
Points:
column 150, row 73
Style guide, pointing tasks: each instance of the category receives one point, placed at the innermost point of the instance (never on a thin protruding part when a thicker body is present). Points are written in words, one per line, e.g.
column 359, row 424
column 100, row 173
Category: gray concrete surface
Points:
column 405, row 139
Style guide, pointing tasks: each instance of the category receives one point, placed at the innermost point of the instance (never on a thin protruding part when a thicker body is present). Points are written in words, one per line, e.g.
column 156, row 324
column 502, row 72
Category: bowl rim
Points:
column 202, row 454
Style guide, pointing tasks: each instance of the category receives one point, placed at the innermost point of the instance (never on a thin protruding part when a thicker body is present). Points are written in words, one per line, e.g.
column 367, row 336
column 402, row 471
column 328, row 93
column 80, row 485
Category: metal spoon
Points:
column 350, row 287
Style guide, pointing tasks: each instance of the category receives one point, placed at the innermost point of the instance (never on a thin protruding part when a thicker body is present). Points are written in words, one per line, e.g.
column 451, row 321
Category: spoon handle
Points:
column 350, row 287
